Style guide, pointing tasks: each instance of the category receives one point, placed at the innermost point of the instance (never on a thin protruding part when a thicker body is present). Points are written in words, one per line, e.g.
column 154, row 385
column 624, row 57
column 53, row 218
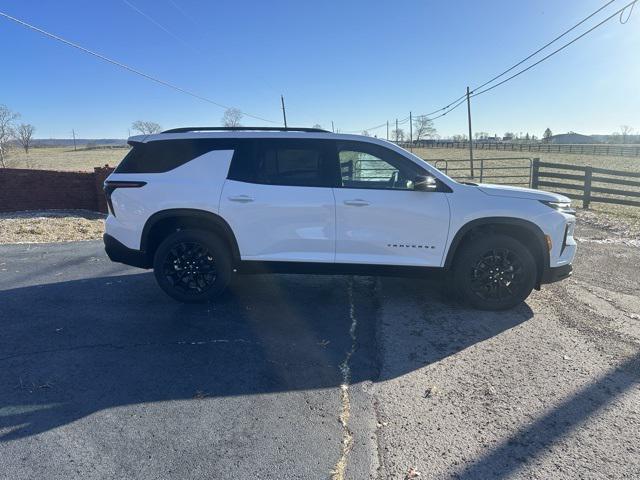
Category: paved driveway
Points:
column 103, row 376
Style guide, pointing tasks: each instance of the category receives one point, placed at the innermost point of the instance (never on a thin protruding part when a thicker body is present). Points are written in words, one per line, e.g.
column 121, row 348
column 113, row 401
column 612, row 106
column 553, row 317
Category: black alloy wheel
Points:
column 193, row 265
column 190, row 267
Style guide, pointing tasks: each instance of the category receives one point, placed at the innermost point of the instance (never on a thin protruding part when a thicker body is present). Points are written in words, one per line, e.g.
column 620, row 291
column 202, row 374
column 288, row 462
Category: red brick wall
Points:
column 22, row 189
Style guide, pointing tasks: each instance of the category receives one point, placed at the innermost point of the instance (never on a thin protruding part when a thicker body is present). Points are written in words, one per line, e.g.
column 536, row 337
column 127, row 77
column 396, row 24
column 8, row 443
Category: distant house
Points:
column 572, row 138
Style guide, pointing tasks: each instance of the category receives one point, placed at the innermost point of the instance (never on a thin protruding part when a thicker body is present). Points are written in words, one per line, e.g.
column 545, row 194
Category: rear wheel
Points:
column 494, row 272
column 192, row 266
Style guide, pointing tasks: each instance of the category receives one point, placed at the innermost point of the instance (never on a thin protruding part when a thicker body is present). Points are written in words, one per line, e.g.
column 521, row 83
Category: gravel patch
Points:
column 50, row 226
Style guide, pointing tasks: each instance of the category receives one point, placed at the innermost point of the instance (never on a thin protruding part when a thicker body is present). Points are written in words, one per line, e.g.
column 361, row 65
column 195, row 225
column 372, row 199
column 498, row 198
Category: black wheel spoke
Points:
column 496, row 275
column 190, row 267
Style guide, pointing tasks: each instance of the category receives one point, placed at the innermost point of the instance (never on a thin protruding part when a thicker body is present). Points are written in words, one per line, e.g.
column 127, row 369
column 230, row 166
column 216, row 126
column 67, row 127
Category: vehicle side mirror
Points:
column 425, row 183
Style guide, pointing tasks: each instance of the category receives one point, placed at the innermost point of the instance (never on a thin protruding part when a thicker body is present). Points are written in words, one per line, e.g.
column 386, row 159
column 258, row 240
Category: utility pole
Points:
column 73, row 132
column 332, row 129
column 387, row 130
column 284, row 111
column 410, row 132
column 470, row 138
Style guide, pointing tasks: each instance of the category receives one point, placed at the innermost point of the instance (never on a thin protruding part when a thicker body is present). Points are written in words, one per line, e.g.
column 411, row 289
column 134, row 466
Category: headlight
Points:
column 564, row 207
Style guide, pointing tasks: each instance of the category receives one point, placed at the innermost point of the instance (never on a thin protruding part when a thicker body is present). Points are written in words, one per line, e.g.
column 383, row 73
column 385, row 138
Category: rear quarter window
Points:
column 164, row 155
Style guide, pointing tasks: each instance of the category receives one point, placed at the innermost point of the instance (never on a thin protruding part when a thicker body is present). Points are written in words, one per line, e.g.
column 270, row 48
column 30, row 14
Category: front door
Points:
column 279, row 202
column 380, row 219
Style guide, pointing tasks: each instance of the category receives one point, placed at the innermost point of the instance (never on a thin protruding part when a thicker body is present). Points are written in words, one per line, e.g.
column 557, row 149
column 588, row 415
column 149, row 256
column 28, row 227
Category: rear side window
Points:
column 307, row 163
column 164, row 155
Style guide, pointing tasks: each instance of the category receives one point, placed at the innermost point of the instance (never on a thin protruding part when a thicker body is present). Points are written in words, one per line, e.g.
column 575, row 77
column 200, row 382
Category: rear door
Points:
column 380, row 219
column 279, row 202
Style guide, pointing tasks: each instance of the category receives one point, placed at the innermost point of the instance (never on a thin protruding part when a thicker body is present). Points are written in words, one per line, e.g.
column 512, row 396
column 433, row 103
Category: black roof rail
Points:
column 241, row 129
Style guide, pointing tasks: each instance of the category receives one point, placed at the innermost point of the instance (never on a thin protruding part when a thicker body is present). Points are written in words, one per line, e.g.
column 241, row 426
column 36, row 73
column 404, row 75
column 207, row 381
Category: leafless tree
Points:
column 366, row 133
column 317, row 125
column 146, row 128
column 232, row 117
column 423, row 128
column 460, row 137
column 397, row 134
column 625, row 131
column 24, row 134
column 7, row 130
column 546, row 136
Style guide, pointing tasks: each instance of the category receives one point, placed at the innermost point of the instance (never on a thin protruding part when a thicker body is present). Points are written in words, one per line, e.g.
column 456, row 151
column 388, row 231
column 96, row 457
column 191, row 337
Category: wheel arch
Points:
column 163, row 222
column 525, row 231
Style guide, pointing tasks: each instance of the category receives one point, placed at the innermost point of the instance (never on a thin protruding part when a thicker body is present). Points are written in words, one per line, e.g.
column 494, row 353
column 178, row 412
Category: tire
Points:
column 494, row 272
column 192, row 266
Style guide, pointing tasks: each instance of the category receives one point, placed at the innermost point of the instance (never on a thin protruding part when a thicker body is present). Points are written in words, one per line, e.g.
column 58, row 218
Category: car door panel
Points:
column 280, row 223
column 391, row 227
column 279, row 202
column 380, row 218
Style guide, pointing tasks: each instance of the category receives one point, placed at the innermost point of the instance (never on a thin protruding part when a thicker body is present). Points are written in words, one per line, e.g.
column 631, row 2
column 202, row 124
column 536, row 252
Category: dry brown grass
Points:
column 50, row 226
column 65, row 158
column 602, row 161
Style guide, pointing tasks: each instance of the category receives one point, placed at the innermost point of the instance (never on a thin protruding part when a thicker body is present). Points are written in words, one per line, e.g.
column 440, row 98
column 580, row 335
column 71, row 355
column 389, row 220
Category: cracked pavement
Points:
column 103, row 376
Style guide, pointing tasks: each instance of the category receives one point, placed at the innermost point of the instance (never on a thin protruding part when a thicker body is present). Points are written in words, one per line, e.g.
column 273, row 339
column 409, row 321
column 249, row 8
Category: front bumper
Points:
column 118, row 252
column 556, row 274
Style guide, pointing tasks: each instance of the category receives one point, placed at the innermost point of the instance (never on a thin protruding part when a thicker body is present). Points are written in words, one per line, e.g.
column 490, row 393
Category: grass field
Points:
column 65, row 158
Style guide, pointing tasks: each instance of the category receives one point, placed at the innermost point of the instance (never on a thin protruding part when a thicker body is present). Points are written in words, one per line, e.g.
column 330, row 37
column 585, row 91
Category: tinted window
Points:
column 365, row 165
column 285, row 162
column 164, row 155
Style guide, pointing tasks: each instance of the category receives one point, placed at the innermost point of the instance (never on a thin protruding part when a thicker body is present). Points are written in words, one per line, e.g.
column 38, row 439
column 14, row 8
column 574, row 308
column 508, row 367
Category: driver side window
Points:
column 371, row 166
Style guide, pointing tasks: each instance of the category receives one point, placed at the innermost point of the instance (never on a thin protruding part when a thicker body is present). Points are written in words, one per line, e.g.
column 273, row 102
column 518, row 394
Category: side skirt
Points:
column 247, row 267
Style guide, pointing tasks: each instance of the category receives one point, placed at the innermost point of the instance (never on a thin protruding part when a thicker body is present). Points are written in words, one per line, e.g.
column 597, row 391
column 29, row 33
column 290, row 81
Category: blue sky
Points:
column 357, row 63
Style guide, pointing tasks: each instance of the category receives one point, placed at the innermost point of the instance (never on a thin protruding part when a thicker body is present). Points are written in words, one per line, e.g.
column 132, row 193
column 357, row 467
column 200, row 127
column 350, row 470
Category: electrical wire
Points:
column 127, row 67
column 448, row 107
column 555, row 51
column 183, row 13
column 155, row 22
column 628, row 16
column 545, row 46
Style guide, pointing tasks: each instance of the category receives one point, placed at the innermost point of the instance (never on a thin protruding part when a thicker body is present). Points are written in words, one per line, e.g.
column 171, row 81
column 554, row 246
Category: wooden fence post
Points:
column 586, row 198
column 535, row 172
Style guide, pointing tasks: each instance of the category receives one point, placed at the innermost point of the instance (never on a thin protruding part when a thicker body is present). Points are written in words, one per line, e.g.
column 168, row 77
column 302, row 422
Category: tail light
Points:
column 111, row 186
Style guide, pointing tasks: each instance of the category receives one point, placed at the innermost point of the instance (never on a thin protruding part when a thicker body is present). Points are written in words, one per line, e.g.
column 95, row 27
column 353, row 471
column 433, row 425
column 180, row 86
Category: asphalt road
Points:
column 103, row 376
column 287, row 376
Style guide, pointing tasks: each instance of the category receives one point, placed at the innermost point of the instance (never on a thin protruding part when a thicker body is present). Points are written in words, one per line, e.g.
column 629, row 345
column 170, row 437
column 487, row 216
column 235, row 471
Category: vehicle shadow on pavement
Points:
column 73, row 348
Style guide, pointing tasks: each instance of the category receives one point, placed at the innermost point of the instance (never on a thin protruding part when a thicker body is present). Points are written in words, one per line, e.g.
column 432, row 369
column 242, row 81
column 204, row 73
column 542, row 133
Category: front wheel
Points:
column 192, row 266
column 494, row 272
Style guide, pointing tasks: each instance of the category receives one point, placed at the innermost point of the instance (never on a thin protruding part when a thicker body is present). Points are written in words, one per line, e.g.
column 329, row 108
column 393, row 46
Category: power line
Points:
column 545, row 46
column 556, row 51
column 181, row 40
column 460, row 100
column 126, row 67
column 155, row 22
column 183, row 13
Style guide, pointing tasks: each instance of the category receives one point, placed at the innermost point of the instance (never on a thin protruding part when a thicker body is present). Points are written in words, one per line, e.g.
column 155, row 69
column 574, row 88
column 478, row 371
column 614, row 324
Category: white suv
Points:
column 200, row 204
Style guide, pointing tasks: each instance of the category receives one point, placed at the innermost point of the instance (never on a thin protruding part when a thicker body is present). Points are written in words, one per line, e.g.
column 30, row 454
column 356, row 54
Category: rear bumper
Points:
column 556, row 274
column 118, row 252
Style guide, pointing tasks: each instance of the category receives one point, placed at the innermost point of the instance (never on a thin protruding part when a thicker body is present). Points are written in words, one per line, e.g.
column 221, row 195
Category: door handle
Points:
column 241, row 198
column 357, row 202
